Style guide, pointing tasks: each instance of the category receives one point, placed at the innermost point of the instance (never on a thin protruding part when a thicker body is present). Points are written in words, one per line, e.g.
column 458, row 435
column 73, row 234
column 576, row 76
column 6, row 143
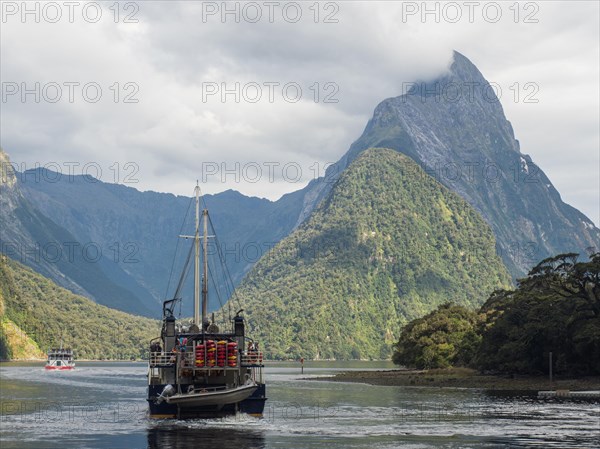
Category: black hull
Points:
column 254, row 406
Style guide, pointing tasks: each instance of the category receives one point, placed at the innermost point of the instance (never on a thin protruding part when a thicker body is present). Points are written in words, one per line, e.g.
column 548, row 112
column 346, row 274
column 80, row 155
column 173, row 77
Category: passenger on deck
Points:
column 173, row 355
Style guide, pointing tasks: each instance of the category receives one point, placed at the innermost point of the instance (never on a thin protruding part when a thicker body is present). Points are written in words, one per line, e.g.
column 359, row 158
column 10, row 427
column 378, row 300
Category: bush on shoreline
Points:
column 443, row 338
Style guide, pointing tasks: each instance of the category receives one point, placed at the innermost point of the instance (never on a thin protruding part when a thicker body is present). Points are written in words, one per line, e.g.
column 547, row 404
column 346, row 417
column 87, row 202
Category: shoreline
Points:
column 461, row 378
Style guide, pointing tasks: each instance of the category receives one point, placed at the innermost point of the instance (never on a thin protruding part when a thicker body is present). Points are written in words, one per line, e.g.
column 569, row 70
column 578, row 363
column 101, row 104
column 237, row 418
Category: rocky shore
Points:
column 462, row 378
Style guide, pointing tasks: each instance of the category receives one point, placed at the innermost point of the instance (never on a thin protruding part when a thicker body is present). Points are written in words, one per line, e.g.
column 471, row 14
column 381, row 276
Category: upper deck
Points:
column 60, row 354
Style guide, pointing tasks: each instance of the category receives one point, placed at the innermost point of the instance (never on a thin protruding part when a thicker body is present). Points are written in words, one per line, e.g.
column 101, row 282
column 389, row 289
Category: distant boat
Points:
column 60, row 359
column 196, row 370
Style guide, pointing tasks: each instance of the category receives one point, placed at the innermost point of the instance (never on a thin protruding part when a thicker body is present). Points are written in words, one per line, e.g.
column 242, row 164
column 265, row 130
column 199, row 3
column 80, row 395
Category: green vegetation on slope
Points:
column 48, row 313
column 15, row 344
column 555, row 309
column 388, row 244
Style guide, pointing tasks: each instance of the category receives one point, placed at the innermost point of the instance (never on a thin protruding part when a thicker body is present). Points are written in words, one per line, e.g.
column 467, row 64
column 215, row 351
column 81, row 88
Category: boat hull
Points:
column 253, row 405
column 59, row 368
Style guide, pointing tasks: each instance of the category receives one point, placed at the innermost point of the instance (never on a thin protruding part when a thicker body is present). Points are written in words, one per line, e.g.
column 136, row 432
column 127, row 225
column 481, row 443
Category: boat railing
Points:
column 188, row 359
column 60, row 357
column 60, row 353
column 251, row 358
column 162, row 359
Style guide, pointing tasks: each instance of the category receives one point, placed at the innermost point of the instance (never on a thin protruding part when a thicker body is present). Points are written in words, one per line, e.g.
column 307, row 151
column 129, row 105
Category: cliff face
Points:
column 455, row 128
column 30, row 237
column 16, row 238
column 10, row 198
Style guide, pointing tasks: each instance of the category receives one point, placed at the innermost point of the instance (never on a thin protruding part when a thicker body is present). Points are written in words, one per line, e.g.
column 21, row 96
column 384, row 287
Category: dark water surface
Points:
column 102, row 405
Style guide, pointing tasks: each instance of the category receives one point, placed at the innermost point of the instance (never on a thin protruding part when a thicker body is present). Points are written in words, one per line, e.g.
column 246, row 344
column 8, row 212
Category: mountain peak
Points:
column 455, row 128
column 464, row 70
column 461, row 62
column 462, row 84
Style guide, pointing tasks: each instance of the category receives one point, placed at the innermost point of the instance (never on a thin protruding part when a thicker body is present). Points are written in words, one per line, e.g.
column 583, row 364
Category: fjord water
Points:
column 102, row 405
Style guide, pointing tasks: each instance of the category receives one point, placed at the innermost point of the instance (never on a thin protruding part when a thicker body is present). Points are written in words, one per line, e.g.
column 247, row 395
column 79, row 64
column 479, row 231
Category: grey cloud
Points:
column 369, row 54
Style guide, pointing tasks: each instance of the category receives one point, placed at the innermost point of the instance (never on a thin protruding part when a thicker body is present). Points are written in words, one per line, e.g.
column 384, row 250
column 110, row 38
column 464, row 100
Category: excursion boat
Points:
column 197, row 370
column 60, row 359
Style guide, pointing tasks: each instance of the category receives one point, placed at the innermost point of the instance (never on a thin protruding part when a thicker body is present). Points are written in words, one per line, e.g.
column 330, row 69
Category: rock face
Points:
column 387, row 244
column 30, row 237
column 455, row 128
column 16, row 238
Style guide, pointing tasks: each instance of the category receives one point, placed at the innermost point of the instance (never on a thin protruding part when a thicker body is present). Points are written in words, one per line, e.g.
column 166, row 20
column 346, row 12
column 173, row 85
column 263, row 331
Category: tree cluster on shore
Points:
column 556, row 309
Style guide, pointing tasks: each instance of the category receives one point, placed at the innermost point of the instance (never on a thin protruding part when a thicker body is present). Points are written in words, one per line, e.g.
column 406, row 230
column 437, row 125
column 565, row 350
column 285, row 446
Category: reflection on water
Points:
column 179, row 437
column 103, row 406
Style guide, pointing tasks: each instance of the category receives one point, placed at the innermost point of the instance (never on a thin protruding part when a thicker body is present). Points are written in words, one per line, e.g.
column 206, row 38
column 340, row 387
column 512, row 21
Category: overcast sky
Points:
column 308, row 75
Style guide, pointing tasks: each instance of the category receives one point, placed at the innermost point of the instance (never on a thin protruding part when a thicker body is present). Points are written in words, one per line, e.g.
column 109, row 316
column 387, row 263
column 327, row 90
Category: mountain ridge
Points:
column 138, row 231
column 28, row 235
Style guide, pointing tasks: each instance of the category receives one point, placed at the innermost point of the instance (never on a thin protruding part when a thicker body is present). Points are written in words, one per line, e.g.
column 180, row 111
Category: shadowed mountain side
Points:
column 137, row 232
column 30, row 237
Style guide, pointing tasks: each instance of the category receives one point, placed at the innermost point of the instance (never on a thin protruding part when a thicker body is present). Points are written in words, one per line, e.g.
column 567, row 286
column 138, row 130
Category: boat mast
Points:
column 205, row 273
column 200, row 320
column 197, row 261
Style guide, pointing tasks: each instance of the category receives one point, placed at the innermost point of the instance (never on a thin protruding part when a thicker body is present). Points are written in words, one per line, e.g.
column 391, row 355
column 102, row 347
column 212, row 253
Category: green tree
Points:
column 445, row 337
column 555, row 309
